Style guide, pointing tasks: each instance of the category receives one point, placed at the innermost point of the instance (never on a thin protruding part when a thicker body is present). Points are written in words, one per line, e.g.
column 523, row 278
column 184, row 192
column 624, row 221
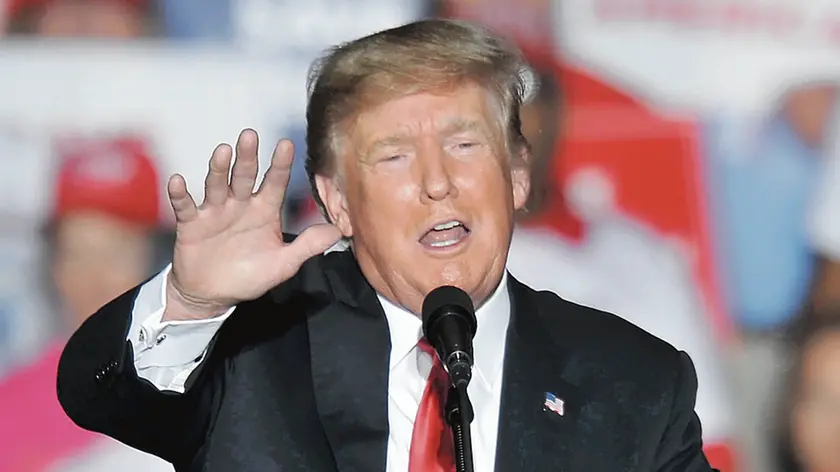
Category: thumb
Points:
column 313, row 241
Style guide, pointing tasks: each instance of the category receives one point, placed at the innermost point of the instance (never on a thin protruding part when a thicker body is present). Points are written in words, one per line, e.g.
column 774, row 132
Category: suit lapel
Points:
column 531, row 436
column 350, row 347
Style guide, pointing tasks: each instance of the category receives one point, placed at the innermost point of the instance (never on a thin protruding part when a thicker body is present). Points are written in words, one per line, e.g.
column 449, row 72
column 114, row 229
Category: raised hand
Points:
column 230, row 248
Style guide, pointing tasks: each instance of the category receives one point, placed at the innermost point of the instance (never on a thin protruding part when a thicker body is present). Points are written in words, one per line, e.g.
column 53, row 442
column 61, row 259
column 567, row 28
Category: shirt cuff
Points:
column 171, row 343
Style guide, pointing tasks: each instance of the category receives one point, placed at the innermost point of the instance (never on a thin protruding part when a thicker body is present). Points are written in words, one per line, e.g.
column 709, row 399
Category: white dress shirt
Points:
column 166, row 353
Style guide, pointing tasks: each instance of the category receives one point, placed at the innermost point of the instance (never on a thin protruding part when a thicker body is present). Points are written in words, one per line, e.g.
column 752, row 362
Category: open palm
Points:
column 230, row 248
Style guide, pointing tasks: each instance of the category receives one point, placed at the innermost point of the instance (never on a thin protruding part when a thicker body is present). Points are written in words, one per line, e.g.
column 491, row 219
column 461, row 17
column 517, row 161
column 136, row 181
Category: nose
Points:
column 437, row 183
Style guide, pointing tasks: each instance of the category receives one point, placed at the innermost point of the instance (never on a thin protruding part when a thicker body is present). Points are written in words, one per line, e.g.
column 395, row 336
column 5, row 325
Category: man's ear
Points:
column 335, row 203
column 520, row 177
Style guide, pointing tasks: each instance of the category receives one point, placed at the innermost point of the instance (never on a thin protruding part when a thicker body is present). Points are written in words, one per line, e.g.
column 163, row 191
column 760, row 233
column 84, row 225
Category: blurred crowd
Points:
column 713, row 227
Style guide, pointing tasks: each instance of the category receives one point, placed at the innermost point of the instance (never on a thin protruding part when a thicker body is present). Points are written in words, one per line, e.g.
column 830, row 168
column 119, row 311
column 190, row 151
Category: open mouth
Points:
column 445, row 235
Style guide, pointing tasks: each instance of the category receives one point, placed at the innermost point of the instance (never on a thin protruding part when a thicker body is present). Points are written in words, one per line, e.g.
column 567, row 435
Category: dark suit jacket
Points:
column 297, row 381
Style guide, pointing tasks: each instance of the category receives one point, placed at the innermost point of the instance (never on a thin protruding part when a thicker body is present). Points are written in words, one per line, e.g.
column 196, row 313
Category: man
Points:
column 416, row 156
column 103, row 224
column 764, row 179
column 105, row 221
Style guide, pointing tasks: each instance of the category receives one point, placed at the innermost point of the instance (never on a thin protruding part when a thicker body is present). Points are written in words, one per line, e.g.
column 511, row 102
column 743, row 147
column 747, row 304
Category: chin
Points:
column 464, row 274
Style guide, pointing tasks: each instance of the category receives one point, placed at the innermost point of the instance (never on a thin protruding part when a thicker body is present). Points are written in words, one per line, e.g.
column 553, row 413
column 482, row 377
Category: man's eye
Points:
column 467, row 145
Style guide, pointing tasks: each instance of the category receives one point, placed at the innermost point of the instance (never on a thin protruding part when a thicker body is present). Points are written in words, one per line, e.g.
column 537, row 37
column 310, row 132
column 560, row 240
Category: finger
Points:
column 179, row 197
column 313, row 241
column 216, row 183
column 245, row 167
column 273, row 187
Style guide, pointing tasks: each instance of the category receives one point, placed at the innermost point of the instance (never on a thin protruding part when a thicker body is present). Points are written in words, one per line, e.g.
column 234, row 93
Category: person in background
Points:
column 111, row 19
column 763, row 176
column 810, row 440
column 100, row 242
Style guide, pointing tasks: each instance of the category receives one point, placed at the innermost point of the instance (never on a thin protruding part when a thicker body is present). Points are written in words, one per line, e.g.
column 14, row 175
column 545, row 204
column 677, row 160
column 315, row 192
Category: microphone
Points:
column 449, row 325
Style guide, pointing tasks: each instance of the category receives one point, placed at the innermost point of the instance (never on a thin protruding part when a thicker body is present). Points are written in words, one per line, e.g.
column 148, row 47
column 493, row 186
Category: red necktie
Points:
column 432, row 449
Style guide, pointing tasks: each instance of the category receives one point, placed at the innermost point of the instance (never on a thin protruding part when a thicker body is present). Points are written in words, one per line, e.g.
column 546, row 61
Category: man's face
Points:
column 816, row 421
column 809, row 110
column 427, row 191
column 97, row 258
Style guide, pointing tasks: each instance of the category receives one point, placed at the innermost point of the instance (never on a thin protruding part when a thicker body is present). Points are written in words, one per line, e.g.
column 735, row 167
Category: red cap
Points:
column 112, row 176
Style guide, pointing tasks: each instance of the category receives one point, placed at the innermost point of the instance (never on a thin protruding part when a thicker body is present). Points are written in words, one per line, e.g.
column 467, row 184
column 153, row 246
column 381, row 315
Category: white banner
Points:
column 696, row 55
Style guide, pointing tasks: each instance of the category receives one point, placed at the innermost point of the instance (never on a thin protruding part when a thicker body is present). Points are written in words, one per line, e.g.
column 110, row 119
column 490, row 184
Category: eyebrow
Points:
column 457, row 125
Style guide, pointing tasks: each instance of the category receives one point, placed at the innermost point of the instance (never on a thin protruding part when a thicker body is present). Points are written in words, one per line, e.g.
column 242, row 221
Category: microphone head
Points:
column 447, row 300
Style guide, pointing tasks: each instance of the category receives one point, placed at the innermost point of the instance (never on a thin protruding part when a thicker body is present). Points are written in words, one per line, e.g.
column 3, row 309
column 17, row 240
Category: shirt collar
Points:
column 493, row 318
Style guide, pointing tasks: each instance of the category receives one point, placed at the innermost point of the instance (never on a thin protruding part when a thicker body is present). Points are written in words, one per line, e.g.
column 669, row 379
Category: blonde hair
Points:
column 423, row 56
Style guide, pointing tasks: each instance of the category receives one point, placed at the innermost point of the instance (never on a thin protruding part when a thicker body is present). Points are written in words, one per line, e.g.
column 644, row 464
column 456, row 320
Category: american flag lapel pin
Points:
column 552, row 403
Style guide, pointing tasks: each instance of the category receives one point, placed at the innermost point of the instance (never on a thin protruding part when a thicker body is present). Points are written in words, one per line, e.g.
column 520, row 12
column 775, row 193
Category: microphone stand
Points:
column 459, row 415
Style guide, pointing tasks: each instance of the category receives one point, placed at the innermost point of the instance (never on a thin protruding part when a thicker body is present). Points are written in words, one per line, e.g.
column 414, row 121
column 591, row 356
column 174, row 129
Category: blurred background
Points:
column 687, row 178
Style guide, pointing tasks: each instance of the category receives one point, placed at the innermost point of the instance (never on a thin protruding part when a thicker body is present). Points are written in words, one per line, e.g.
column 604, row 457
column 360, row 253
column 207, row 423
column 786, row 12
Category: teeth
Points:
column 449, row 225
column 444, row 243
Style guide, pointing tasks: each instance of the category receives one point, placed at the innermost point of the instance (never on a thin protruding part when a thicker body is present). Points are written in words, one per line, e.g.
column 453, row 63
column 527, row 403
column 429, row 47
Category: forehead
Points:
column 464, row 108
